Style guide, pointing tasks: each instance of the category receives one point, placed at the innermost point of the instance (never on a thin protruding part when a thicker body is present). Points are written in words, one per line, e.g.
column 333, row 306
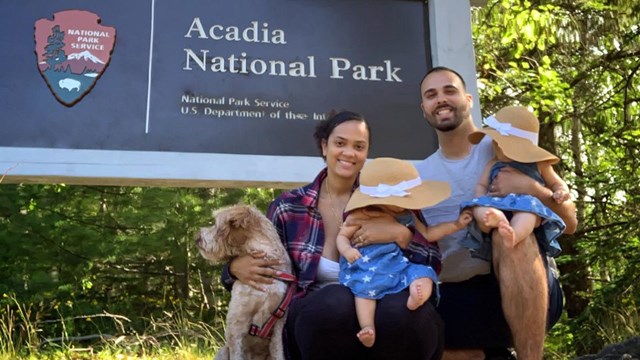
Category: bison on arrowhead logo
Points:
column 73, row 50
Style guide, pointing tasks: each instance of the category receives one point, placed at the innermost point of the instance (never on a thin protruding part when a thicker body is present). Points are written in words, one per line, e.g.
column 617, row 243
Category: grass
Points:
column 174, row 335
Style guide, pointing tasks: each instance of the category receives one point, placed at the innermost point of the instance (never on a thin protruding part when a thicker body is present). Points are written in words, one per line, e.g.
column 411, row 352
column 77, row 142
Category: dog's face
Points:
column 234, row 227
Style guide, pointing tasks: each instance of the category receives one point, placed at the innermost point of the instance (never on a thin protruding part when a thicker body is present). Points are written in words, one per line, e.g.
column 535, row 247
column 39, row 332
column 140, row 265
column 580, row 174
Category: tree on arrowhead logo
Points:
column 73, row 50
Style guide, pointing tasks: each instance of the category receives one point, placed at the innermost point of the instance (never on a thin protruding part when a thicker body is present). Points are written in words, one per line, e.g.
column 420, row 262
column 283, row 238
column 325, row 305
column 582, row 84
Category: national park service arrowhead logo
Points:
column 73, row 51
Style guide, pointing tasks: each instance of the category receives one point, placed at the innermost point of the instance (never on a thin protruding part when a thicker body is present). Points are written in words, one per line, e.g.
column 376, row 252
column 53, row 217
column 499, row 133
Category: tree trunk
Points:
column 575, row 275
column 576, row 281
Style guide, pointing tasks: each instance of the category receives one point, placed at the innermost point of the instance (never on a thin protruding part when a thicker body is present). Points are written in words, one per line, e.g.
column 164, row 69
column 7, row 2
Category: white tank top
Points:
column 327, row 273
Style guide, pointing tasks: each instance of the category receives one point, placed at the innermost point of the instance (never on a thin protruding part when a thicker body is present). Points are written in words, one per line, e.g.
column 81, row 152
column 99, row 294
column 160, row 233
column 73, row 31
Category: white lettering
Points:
column 197, row 99
column 232, row 34
column 196, row 25
column 217, row 64
column 86, row 33
column 199, row 62
column 362, row 72
column 278, row 37
column 374, row 72
column 279, row 65
column 212, row 32
column 359, row 73
column 391, row 75
column 250, row 34
column 271, row 103
column 262, row 64
column 254, row 33
column 241, row 65
column 335, row 68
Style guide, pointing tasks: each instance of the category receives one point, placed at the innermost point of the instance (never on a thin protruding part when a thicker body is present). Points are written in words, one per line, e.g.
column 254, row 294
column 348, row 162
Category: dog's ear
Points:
column 244, row 217
column 237, row 223
column 238, row 238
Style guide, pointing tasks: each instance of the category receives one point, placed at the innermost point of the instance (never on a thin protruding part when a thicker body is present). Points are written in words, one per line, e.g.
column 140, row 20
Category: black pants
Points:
column 472, row 312
column 323, row 325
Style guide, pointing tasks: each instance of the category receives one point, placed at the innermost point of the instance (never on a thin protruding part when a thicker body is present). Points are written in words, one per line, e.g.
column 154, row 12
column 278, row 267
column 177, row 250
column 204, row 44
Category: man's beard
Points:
column 448, row 125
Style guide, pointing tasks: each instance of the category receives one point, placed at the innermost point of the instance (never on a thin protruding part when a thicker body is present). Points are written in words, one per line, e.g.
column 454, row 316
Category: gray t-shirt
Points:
column 462, row 175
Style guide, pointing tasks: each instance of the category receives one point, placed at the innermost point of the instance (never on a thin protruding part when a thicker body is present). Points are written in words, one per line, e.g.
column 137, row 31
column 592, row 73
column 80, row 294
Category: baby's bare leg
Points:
column 366, row 311
column 419, row 292
column 492, row 218
column 480, row 214
column 522, row 224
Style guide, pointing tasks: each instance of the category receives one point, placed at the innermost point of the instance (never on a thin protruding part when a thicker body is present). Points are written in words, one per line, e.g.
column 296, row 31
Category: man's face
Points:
column 445, row 103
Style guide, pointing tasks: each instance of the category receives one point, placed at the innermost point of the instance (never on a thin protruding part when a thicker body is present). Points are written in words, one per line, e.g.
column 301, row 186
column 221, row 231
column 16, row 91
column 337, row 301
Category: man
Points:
column 487, row 307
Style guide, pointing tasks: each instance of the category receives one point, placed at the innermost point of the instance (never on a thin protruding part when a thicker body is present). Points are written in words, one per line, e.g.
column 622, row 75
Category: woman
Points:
column 321, row 321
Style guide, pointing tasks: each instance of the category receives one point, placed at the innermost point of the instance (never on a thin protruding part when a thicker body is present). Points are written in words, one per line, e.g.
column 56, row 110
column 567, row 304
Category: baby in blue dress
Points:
column 514, row 131
column 371, row 271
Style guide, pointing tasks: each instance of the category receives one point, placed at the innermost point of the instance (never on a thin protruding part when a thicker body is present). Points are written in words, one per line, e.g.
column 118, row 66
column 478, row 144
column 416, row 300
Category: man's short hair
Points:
column 443, row 68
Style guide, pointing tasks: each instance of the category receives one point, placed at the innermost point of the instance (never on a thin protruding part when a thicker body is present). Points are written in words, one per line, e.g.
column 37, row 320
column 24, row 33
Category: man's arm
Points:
column 555, row 183
column 510, row 180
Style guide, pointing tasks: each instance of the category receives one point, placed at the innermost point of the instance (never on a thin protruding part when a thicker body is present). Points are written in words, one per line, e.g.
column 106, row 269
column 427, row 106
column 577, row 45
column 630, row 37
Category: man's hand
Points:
column 561, row 195
column 510, row 180
column 254, row 269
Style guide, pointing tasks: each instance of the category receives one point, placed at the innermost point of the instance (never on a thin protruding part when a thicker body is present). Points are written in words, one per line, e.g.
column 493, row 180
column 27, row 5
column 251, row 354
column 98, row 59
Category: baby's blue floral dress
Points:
column 547, row 233
column 383, row 269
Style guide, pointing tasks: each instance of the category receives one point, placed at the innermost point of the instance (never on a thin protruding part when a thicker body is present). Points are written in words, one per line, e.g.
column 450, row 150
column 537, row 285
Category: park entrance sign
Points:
column 213, row 93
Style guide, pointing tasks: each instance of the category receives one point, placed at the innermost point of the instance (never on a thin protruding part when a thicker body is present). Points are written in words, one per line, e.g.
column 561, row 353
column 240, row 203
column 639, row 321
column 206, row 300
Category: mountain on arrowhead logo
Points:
column 72, row 51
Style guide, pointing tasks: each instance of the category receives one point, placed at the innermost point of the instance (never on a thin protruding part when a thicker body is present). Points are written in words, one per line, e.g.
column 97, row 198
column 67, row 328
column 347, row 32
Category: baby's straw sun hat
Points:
column 389, row 181
column 515, row 129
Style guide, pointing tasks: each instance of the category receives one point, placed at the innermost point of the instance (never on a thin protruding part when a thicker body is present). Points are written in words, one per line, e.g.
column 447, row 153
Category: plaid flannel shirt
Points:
column 298, row 221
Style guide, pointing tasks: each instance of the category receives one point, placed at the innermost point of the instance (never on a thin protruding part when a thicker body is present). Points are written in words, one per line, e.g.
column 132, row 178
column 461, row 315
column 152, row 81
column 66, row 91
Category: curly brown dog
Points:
column 241, row 230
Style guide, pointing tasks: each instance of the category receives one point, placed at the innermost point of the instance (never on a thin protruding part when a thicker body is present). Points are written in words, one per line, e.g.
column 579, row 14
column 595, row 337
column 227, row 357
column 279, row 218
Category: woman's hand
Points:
column 254, row 270
column 377, row 227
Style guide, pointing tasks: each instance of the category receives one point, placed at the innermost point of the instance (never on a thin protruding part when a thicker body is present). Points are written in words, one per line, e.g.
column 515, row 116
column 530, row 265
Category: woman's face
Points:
column 347, row 148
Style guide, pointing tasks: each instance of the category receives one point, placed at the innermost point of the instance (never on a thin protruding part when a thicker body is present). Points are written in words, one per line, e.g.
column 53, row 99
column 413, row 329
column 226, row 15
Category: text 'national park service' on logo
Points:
column 73, row 50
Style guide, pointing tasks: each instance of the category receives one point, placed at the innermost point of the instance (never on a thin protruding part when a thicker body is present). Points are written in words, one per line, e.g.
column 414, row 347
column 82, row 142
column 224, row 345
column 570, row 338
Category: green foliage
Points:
column 77, row 255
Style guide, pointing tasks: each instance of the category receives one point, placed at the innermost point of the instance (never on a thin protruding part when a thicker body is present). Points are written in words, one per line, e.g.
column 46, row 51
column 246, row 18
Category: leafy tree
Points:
column 83, row 250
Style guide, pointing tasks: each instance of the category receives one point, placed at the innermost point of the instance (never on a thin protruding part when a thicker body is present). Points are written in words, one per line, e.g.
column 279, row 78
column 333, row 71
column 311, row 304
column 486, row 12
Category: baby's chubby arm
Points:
column 343, row 242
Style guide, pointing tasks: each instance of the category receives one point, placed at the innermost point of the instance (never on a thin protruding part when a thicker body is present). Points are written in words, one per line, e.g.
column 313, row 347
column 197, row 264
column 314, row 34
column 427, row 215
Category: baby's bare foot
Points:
column 507, row 233
column 367, row 336
column 493, row 217
column 419, row 292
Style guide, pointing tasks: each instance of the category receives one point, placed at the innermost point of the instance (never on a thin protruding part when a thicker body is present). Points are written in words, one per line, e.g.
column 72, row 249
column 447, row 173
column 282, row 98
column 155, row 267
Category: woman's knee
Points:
column 392, row 310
